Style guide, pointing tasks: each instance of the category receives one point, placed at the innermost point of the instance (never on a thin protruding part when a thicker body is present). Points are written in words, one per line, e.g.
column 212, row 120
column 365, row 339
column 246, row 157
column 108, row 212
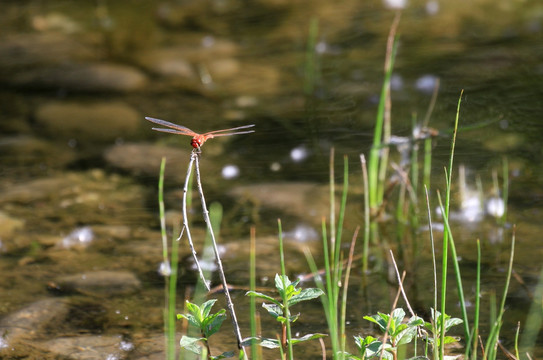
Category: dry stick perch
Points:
column 193, row 156
column 229, row 302
column 197, row 141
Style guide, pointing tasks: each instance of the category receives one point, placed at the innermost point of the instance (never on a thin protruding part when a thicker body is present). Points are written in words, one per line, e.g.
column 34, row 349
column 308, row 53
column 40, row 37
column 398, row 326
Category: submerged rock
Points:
column 304, row 200
column 31, row 320
column 9, row 225
column 85, row 347
column 81, row 77
column 144, row 160
column 19, row 51
column 85, row 122
column 27, row 151
column 100, row 283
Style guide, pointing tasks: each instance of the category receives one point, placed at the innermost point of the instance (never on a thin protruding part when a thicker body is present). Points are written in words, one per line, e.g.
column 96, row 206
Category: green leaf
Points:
column 194, row 310
column 415, row 321
column 375, row 349
column 362, row 343
column 379, row 320
column 307, row 337
column 286, row 288
column 305, row 294
column 405, row 336
column 191, row 343
column 273, row 309
column 398, row 315
column 213, row 323
column 450, row 339
column 224, row 355
column 262, row 296
column 193, row 320
column 252, row 340
column 205, row 309
column 270, row 343
column 449, row 323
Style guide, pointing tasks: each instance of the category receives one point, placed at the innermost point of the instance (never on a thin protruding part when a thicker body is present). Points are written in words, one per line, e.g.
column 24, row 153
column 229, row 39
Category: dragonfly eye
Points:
column 196, row 143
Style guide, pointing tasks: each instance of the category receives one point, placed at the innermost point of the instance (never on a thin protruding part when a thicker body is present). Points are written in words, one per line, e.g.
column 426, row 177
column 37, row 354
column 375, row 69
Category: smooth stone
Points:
column 151, row 347
column 89, row 347
column 32, row 319
column 55, row 22
column 257, row 79
column 83, row 122
column 304, row 200
column 25, row 151
column 24, row 50
column 168, row 62
column 35, row 190
column 145, row 159
column 9, row 225
column 82, row 77
column 100, row 283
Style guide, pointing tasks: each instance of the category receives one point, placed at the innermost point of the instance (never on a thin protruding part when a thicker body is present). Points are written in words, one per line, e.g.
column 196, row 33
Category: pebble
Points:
column 20, row 51
column 31, row 320
column 86, row 347
column 304, row 200
column 100, row 283
column 9, row 225
column 144, row 160
column 81, row 77
column 35, row 190
column 88, row 123
column 24, row 151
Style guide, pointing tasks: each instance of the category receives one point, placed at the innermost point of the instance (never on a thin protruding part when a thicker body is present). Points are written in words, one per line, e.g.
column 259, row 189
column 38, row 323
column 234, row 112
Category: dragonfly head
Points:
column 197, row 141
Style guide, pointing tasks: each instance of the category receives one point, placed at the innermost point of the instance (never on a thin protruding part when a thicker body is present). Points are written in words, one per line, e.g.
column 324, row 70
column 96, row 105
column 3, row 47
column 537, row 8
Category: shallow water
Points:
column 80, row 164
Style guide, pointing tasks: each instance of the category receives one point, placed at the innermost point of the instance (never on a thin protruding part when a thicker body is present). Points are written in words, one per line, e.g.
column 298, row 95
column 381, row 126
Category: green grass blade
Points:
column 534, row 320
column 493, row 337
column 285, row 299
column 458, row 276
column 252, row 300
column 365, row 248
column 448, row 175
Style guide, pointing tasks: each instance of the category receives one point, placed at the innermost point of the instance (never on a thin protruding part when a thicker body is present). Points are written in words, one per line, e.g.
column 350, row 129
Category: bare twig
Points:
column 229, row 302
column 193, row 157
column 400, row 283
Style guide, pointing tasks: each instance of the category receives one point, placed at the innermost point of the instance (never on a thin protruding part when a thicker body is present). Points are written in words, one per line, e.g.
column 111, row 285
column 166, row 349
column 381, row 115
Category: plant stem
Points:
column 448, row 175
column 286, row 333
column 230, row 304
column 193, row 157
column 366, row 216
column 169, row 318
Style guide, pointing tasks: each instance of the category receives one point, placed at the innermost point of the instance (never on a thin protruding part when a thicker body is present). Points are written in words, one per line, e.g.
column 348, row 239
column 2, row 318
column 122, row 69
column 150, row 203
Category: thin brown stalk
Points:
column 400, row 284
column 230, row 304
column 346, row 287
column 193, row 157
column 323, row 348
column 394, row 304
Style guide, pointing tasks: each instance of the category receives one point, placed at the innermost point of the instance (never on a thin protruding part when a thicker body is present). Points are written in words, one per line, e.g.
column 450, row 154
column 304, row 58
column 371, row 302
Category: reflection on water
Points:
column 80, row 164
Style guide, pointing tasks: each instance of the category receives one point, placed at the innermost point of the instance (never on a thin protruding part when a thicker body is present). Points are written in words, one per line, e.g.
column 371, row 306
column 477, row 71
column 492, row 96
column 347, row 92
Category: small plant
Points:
column 280, row 310
column 435, row 327
column 370, row 347
column 395, row 330
column 207, row 323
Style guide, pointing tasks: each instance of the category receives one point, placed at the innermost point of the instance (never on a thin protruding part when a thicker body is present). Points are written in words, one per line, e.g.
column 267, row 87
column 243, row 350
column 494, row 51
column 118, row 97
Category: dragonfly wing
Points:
column 232, row 133
column 218, row 132
column 172, row 131
column 179, row 129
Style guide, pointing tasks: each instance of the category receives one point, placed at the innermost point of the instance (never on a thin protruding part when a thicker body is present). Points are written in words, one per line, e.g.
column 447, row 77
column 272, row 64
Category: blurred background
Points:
column 80, row 164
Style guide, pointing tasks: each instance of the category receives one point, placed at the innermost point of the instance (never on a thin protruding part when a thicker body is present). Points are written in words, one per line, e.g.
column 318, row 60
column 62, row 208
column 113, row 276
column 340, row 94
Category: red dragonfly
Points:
column 197, row 139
